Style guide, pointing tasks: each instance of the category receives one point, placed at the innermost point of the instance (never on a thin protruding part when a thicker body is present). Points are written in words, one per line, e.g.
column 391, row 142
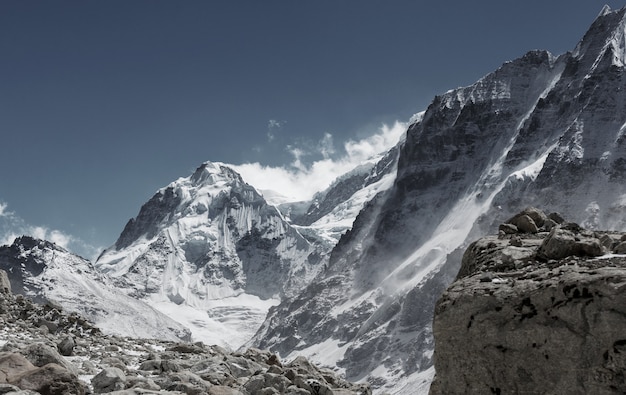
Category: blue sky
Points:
column 103, row 102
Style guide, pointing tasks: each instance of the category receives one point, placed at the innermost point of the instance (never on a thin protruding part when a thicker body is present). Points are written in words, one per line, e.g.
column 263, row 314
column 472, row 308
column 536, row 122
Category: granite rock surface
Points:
column 535, row 312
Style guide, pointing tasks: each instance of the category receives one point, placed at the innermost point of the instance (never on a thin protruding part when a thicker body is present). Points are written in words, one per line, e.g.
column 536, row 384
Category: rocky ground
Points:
column 540, row 308
column 47, row 351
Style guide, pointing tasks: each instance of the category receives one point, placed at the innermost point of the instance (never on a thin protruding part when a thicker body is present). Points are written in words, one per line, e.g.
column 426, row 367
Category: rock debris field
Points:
column 44, row 350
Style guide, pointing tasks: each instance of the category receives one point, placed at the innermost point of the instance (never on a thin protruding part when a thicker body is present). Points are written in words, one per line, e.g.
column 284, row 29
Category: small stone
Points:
column 66, row 346
column 556, row 217
column 548, row 225
column 274, row 360
column 620, row 248
column 508, row 229
column 485, row 277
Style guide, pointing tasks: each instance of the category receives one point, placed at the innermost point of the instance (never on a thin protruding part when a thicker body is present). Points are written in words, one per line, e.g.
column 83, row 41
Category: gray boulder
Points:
column 108, row 380
column 223, row 390
column 242, row 367
column 562, row 243
column 620, row 248
column 529, row 220
column 66, row 346
column 526, row 224
column 140, row 382
column 50, row 379
column 12, row 364
column 41, row 354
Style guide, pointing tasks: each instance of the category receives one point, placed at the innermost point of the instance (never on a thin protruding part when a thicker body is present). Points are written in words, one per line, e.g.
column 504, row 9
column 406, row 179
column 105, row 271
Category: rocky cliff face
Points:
column 540, row 130
column 539, row 312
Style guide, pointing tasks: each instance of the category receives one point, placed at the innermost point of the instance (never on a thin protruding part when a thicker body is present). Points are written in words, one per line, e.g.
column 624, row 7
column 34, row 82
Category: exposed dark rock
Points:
column 546, row 316
column 508, row 229
column 66, row 346
column 562, row 243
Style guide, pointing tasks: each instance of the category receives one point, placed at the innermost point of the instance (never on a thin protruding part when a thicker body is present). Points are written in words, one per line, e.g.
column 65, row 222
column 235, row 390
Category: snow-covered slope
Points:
column 539, row 131
column 210, row 252
column 48, row 273
column 333, row 211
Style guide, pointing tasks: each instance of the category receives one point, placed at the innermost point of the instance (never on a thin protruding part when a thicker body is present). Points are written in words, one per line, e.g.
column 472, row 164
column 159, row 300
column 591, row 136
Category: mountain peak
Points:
column 213, row 172
column 29, row 242
column 605, row 10
column 604, row 44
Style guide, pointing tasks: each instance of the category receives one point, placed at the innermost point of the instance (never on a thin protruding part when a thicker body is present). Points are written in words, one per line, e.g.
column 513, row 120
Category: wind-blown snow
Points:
column 331, row 226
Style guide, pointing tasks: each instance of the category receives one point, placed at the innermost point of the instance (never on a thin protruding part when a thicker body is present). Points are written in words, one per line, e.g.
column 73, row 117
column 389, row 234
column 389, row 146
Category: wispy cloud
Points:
column 273, row 126
column 326, row 147
column 302, row 178
column 13, row 226
column 3, row 207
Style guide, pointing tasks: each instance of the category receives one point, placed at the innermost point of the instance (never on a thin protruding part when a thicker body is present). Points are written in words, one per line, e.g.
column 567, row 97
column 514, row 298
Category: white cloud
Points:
column 12, row 227
column 298, row 154
column 301, row 180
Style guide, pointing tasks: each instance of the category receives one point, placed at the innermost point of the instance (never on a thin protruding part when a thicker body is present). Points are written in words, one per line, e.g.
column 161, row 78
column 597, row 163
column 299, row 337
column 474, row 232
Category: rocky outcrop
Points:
column 535, row 312
column 33, row 338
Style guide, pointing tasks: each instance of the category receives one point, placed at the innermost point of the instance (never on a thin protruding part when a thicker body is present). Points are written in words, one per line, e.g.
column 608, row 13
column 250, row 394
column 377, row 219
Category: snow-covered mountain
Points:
column 49, row 274
column 211, row 253
column 541, row 130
